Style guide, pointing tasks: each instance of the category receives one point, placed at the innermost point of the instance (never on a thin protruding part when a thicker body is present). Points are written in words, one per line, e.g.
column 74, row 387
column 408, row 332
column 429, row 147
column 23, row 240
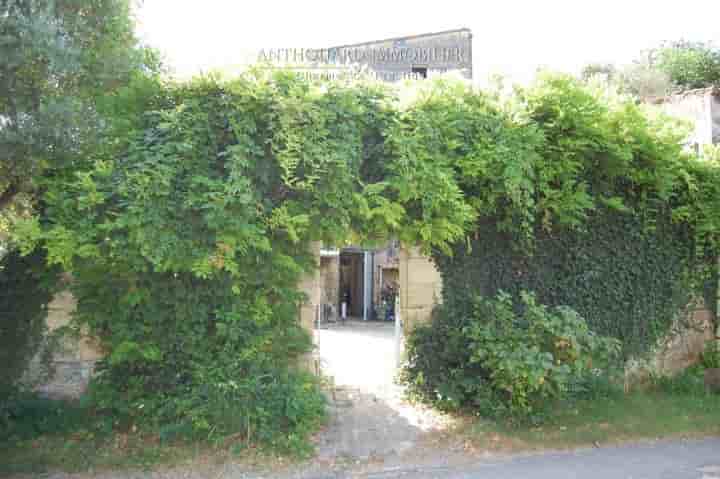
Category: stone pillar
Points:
column 307, row 313
column 330, row 280
column 420, row 287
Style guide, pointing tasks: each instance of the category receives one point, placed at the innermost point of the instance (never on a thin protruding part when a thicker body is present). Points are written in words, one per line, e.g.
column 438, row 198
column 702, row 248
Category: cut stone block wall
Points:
column 75, row 359
column 420, row 288
column 684, row 347
column 330, row 278
column 679, row 350
column 310, row 284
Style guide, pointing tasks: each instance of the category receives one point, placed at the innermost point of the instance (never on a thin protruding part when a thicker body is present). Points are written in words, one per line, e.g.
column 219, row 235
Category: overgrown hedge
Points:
column 628, row 281
column 583, row 199
column 189, row 231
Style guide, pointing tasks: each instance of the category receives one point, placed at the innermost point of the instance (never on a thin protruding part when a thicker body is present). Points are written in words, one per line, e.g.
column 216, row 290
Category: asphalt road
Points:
column 662, row 460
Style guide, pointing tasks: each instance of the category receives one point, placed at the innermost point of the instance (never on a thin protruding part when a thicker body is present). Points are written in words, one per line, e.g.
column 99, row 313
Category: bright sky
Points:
column 513, row 37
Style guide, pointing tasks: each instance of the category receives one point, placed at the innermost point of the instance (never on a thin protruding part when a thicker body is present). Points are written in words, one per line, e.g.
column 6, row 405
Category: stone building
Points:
column 701, row 107
column 416, row 56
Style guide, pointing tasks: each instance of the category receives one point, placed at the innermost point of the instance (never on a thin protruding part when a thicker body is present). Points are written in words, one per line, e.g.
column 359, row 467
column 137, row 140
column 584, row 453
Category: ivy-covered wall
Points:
column 628, row 280
column 189, row 232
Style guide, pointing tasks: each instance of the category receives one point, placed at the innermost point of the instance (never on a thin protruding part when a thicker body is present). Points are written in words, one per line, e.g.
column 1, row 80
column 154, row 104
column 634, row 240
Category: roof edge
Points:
column 709, row 90
column 408, row 37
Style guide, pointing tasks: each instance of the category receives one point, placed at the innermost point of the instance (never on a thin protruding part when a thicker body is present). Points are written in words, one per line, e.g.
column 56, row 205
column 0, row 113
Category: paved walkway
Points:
column 368, row 417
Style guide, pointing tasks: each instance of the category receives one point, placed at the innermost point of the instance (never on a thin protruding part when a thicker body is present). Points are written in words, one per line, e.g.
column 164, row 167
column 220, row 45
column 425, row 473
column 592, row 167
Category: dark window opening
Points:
column 420, row 71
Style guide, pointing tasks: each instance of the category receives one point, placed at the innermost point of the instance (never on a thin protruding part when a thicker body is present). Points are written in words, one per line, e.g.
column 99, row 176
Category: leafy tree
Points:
column 642, row 80
column 688, row 64
column 606, row 70
column 639, row 79
column 63, row 63
column 56, row 58
column 657, row 72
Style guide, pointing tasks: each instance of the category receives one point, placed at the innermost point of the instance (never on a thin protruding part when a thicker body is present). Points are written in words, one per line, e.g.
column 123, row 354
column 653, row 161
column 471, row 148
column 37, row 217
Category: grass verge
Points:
column 670, row 408
column 50, row 436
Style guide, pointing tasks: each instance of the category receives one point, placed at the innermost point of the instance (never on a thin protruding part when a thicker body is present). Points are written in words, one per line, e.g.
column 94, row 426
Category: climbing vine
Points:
column 583, row 199
column 189, row 234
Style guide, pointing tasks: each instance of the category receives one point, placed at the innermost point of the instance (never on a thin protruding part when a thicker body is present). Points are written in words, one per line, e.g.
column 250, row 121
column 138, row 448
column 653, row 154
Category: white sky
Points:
column 513, row 37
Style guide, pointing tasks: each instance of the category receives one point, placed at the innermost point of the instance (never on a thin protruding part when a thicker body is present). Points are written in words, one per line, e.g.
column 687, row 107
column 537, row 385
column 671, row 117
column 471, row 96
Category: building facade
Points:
column 411, row 57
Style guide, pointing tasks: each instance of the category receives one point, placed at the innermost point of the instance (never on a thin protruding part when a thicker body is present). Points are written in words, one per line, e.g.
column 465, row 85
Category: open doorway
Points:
column 359, row 348
column 359, row 356
column 346, row 283
column 352, row 284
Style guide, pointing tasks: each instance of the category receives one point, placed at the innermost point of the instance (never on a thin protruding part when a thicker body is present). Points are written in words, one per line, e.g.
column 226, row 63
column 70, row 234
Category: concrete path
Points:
column 368, row 416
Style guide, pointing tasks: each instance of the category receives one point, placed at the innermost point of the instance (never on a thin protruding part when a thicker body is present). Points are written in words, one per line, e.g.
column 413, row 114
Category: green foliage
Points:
column 689, row 64
column 639, row 79
column 676, row 65
column 188, row 245
column 511, row 362
column 582, row 198
column 711, row 354
column 629, row 282
column 29, row 417
column 535, row 355
column 26, row 288
column 690, row 381
column 188, row 234
column 57, row 57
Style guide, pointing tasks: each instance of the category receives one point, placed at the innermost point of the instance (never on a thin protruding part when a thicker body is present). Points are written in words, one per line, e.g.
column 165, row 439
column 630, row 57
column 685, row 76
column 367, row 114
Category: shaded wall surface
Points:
column 73, row 362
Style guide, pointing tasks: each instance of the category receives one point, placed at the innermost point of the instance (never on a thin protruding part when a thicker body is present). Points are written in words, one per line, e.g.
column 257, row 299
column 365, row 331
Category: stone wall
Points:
column 684, row 347
column 421, row 291
column 311, row 285
column 330, row 278
column 702, row 108
column 73, row 362
column 420, row 288
column 679, row 350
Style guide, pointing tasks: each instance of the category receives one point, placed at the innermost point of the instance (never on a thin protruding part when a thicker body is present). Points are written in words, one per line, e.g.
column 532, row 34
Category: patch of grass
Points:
column 82, row 452
column 41, row 435
column 676, row 407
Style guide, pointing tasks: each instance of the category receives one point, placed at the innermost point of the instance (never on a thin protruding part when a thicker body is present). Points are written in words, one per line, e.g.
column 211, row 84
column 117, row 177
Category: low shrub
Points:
column 600, row 384
column 507, row 359
column 688, row 382
column 29, row 416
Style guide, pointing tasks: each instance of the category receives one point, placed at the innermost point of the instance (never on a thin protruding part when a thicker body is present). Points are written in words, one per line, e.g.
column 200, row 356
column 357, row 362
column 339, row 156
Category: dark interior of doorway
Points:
column 352, row 290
